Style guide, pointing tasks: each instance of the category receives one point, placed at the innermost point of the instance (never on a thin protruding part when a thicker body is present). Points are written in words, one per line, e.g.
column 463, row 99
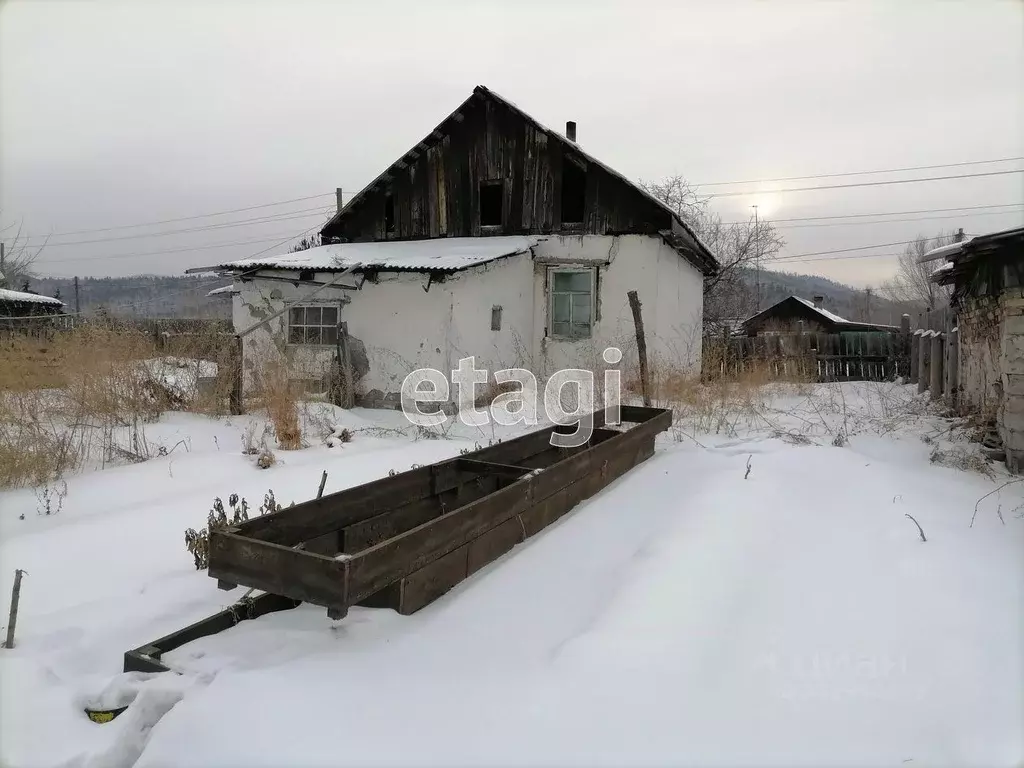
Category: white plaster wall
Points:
column 402, row 326
column 670, row 291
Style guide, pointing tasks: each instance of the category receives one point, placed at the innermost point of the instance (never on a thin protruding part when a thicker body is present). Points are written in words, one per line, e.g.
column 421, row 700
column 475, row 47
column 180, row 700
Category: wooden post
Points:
column 935, row 366
column 348, row 396
column 323, row 482
column 923, row 371
column 237, row 405
column 12, row 619
column 641, row 346
column 952, row 367
column 915, row 357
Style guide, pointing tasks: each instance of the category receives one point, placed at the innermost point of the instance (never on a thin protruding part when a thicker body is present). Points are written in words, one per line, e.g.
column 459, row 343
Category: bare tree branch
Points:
column 913, row 279
column 19, row 258
column 737, row 247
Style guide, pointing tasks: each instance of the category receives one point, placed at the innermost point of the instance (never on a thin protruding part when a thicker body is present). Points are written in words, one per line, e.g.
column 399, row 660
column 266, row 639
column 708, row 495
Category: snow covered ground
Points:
column 753, row 596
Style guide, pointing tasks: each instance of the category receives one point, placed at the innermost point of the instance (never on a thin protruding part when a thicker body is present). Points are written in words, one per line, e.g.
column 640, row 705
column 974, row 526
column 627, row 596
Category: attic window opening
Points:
column 389, row 212
column 574, row 190
column 490, row 203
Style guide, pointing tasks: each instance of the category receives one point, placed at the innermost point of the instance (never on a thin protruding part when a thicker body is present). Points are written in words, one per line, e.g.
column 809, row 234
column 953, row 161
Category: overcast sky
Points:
column 117, row 113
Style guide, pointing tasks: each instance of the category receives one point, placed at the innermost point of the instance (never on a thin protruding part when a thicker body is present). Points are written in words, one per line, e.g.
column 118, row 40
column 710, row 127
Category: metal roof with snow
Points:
column 449, row 254
column 28, row 298
column 1005, row 247
column 943, row 251
column 829, row 318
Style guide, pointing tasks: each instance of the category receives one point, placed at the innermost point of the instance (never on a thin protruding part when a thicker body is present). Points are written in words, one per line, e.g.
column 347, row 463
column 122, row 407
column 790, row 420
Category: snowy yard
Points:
column 752, row 596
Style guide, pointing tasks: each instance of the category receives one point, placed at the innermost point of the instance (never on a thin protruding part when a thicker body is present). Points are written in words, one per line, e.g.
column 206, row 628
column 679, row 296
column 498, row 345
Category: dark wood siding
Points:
column 435, row 187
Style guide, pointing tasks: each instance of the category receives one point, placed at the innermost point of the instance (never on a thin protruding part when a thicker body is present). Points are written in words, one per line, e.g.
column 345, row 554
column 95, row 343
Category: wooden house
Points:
column 493, row 237
column 987, row 276
column 794, row 315
column 28, row 304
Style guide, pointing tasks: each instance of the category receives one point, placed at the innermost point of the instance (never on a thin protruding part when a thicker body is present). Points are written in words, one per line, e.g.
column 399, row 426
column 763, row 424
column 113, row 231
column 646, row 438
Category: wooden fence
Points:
column 935, row 353
column 927, row 357
column 860, row 356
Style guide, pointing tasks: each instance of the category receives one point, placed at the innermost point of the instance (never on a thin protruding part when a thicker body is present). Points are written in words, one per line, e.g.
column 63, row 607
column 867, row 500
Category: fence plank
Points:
column 852, row 356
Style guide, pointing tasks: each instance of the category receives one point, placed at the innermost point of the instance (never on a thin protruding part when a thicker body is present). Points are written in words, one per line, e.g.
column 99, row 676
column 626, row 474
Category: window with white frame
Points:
column 572, row 303
column 313, row 324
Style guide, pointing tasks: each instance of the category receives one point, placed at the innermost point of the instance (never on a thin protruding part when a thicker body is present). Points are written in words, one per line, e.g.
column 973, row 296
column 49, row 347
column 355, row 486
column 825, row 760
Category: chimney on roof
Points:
column 959, row 236
column 341, row 205
column 570, row 130
column 819, row 301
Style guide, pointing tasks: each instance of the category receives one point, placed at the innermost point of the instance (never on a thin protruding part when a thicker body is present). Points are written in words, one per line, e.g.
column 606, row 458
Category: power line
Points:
column 226, row 225
column 889, row 213
column 839, row 258
column 750, row 192
column 303, row 233
column 169, row 250
column 197, row 216
column 889, row 221
column 844, row 250
column 863, row 173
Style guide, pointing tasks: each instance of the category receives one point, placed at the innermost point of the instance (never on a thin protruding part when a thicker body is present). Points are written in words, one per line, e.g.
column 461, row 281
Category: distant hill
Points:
column 185, row 296
column 141, row 295
column 843, row 300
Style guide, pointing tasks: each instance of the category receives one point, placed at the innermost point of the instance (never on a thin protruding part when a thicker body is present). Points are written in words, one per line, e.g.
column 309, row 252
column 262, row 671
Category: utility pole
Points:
column 757, row 255
column 78, row 308
column 3, row 276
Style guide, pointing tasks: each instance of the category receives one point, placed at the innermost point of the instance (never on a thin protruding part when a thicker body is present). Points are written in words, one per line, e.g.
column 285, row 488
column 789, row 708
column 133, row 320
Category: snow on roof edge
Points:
column 830, row 316
column 443, row 254
column 943, row 251
column 34, row 298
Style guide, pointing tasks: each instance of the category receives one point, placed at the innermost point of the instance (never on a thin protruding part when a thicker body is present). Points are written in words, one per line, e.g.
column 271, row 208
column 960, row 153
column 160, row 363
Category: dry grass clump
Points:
column 87, row 394
column 962, row 458
column 715, row 404
column 489, row 391
column 279, row 396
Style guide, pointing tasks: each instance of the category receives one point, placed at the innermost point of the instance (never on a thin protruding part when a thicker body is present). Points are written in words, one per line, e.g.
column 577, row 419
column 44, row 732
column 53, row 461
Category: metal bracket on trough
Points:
column 147, row 658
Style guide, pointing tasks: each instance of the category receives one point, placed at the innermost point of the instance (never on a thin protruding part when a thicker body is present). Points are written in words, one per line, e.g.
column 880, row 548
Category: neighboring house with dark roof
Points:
column 794, row 314
column 18, row 304
column 494, row 237
column 986, row 273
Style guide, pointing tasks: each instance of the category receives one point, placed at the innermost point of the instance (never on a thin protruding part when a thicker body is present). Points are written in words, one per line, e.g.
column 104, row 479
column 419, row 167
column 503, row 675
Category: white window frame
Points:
column 571, row 269
column 313, row 305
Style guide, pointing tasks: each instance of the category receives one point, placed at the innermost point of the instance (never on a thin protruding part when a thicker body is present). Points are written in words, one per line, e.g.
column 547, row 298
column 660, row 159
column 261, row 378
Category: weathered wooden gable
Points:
column 437, row 188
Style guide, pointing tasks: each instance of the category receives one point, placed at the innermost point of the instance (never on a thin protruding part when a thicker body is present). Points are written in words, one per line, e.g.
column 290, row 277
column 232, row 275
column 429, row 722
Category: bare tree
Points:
column 912, row 282
column 863, row 304
column 739, row 248
column 19, row 257
column 312, row 241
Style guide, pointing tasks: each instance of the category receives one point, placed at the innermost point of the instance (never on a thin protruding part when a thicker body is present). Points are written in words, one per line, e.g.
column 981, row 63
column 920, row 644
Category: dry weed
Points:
column 279, row 396
column 87, row 394
column 962, row 458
